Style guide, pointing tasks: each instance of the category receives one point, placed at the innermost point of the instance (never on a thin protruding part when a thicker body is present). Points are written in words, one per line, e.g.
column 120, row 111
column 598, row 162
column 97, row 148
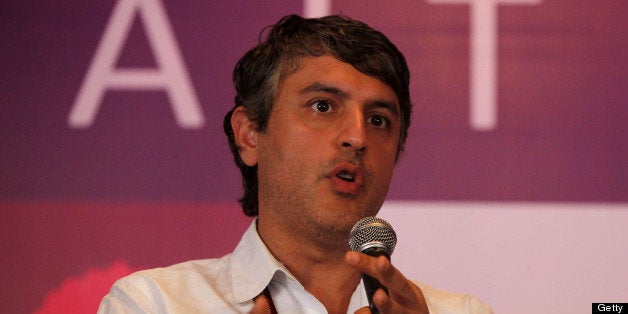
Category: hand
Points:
column 404, row 296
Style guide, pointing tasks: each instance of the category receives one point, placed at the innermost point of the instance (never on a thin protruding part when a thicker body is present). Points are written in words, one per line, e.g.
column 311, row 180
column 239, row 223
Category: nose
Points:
column 352, row 135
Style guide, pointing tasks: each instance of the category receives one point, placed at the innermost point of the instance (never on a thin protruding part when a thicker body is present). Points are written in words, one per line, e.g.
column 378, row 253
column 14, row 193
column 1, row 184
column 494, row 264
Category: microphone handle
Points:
column 371, row 284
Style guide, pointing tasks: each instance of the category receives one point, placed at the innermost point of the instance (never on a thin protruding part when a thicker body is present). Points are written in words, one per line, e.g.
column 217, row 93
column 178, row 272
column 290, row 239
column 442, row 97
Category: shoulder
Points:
column 445, row 302
column 190, row 273
column 155, row 290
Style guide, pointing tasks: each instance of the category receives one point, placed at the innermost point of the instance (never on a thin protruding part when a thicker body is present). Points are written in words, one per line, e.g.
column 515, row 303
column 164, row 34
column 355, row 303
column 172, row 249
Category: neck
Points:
column 321, row 269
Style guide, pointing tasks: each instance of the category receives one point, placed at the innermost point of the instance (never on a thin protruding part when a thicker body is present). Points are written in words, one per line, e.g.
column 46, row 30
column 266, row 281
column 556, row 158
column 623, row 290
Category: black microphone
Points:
column 375, row 237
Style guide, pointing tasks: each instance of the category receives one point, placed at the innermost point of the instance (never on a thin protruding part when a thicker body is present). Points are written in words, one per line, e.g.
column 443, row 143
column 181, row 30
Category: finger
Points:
column 387, row 304
column 410, row 300
column 359, row 261
column 377, row 267
column 382, row 301
column 401, row 290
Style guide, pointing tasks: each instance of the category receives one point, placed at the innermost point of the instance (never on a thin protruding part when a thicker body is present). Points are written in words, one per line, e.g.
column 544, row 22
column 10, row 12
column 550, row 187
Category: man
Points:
column 321, row 114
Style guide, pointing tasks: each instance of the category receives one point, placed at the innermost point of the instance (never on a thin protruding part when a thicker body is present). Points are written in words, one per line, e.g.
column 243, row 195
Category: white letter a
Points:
column 169, row 75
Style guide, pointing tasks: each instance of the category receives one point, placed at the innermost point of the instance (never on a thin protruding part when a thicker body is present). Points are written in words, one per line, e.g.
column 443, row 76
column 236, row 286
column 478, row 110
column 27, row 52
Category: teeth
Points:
column 346, row 176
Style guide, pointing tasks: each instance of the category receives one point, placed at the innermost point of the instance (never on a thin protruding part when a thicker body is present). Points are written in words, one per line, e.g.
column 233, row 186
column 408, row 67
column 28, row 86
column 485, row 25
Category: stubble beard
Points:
column 306, row 214
column 317, row 223
column 323, row 228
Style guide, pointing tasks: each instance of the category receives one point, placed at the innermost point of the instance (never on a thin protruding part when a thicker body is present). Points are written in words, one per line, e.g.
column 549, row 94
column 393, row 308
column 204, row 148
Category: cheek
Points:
column 384, row 163
column 385, row 173
column 284, row 153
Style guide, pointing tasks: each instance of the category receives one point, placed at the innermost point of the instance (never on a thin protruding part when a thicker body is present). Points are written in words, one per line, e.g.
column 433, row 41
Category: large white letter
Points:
column 316, row 8
column 483, row 72
column 170, row 74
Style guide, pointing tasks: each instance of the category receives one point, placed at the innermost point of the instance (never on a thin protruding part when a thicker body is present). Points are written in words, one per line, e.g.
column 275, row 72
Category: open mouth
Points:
column 346, row 176
column 347, row 179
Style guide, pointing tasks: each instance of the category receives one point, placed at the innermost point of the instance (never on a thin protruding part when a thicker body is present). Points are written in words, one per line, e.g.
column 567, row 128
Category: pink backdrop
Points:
column 513, row 179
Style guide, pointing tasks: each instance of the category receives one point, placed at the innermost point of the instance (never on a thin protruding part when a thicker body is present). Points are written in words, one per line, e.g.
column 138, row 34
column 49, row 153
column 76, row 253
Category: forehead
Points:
column 328, row 71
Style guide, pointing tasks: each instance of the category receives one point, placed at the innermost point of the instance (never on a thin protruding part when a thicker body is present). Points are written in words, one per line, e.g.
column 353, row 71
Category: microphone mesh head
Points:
column 372, row 232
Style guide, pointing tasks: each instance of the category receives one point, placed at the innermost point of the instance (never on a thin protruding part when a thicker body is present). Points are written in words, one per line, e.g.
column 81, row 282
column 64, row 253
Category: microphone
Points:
column 375, row 237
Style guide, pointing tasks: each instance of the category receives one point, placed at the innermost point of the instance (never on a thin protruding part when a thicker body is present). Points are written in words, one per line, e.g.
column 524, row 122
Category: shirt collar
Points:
column 252, row 266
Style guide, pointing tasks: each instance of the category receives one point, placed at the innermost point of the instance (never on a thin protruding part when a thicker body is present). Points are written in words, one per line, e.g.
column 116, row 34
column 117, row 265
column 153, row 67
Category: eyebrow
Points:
column 320, row 87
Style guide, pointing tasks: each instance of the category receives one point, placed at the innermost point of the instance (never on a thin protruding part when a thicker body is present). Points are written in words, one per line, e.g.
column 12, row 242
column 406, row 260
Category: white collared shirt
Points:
column 230, row 283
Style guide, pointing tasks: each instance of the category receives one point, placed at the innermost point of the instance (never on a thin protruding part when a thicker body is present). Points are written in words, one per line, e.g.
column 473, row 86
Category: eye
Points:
column 322, row 106
column 378, row 120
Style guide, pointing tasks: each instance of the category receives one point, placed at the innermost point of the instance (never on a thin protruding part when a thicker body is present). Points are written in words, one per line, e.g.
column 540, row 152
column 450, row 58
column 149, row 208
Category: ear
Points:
column 245, row 133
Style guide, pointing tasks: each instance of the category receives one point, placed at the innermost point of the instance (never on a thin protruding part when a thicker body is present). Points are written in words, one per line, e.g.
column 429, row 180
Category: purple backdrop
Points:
column 136, row 187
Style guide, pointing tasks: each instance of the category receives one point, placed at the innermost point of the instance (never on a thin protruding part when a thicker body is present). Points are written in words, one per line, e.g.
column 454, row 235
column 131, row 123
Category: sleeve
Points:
column 445, row 302
column 478, row 307
column 125, row 297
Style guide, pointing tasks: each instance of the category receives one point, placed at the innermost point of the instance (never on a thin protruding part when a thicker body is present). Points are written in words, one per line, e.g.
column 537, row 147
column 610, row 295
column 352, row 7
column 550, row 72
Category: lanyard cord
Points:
column 270, row 305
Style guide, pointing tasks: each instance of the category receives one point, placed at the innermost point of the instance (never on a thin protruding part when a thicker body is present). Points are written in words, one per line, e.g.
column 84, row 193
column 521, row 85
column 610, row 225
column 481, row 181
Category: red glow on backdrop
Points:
column 83, row 294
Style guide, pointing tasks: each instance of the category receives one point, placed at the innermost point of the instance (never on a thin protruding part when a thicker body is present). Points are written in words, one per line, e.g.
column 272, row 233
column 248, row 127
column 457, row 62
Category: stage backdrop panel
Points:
column 113, row 159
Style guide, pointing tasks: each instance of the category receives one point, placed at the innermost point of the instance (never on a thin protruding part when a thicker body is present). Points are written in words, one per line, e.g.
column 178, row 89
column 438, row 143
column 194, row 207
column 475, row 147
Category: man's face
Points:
column 327, row 155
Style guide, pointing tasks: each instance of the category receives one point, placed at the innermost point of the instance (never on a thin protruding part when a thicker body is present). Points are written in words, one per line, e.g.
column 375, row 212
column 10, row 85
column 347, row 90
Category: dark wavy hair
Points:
column 258, row 73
